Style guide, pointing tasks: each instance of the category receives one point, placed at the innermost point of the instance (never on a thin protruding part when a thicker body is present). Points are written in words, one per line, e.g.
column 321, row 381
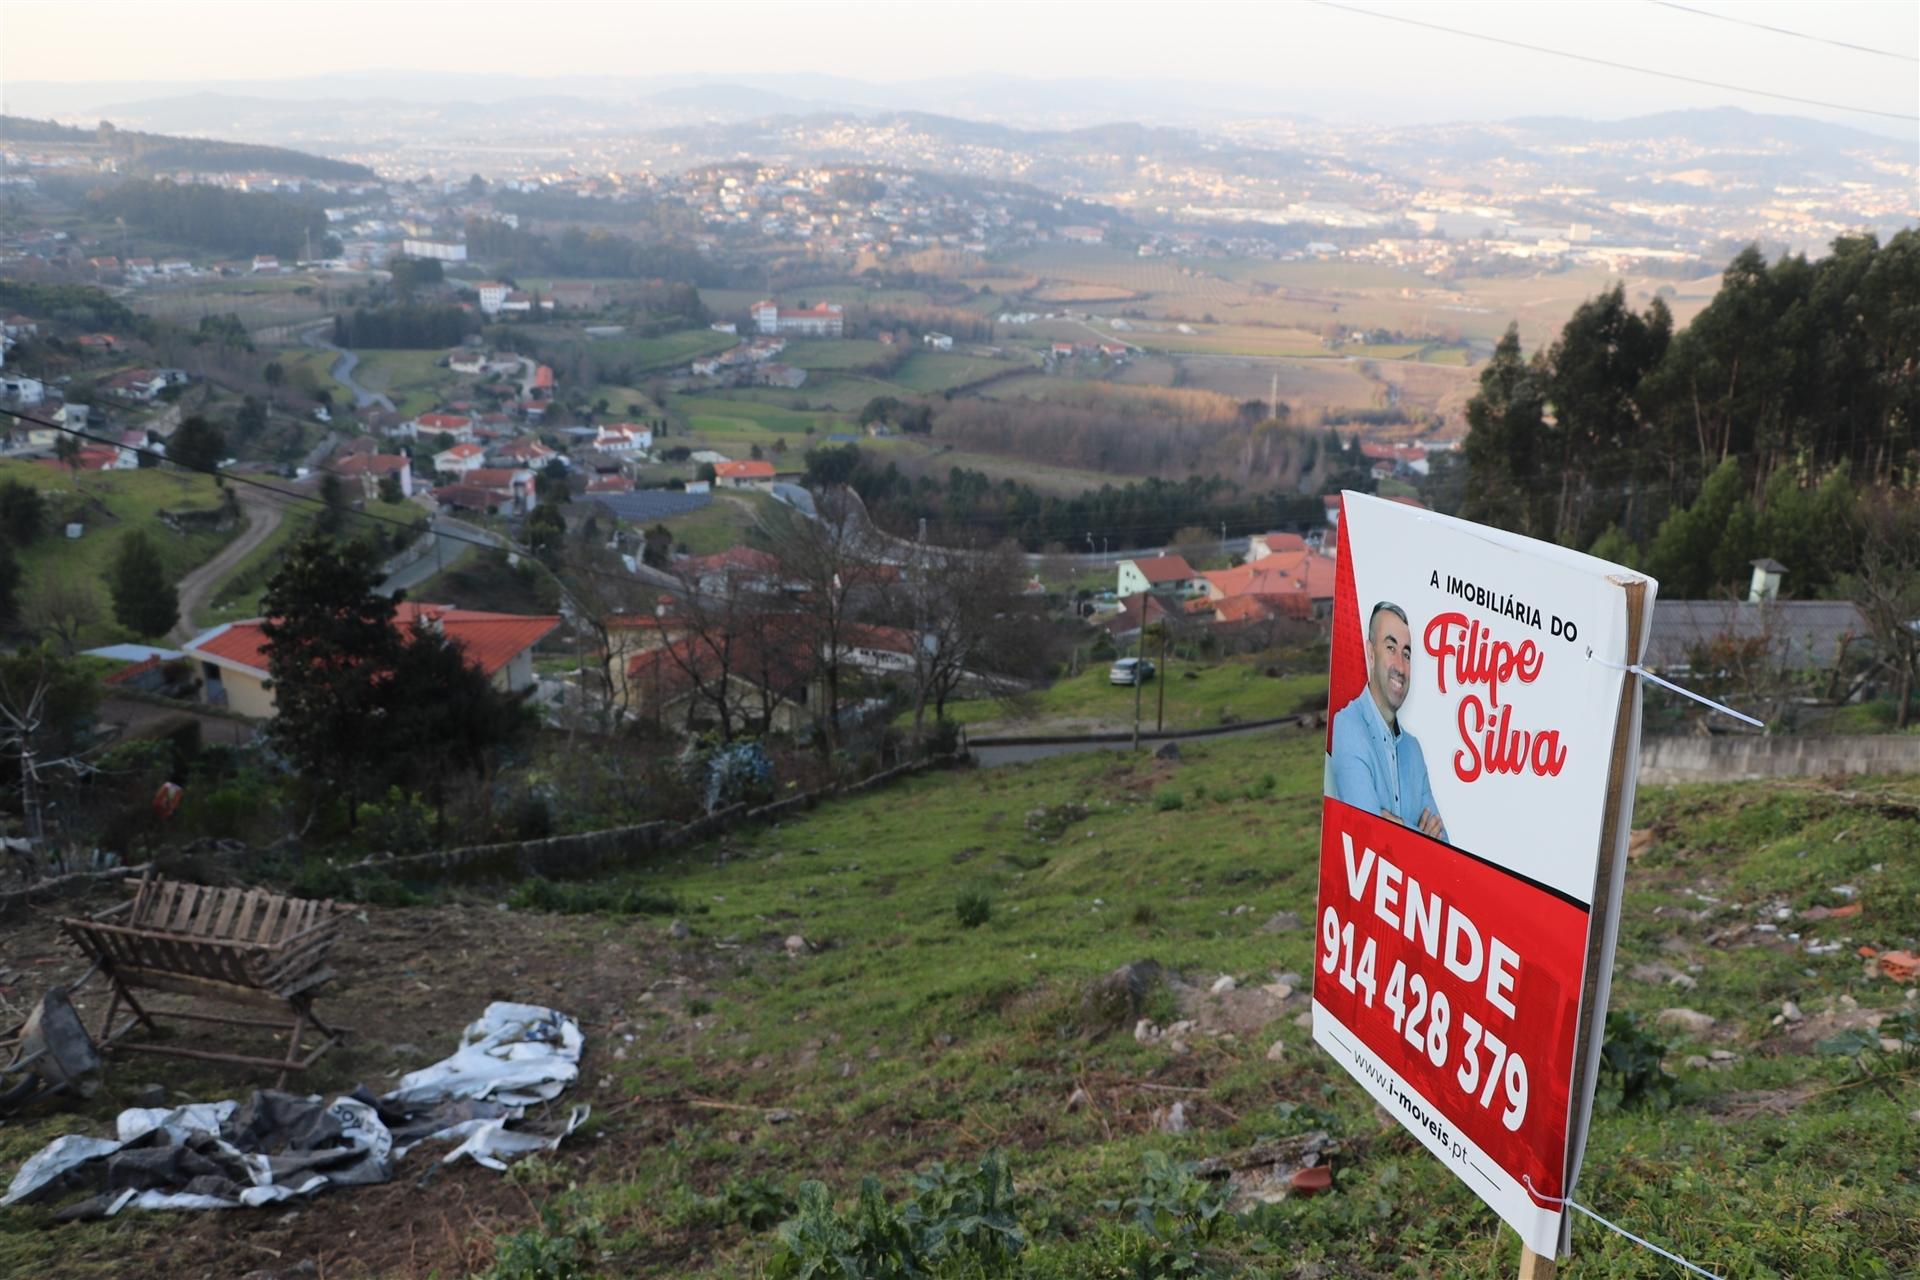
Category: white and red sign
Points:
column 1479, row 768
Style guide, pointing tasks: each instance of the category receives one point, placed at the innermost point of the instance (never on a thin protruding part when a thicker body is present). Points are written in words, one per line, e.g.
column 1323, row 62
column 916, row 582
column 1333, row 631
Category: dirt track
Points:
column 264, row 514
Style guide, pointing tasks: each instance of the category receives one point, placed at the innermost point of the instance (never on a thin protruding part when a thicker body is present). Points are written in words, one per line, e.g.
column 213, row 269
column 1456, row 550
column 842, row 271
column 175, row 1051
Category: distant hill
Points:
column 1711, row 127
column 150, row 153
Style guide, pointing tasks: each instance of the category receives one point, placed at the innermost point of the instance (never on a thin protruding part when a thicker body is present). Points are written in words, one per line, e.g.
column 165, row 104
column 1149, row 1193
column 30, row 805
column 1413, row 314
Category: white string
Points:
column 1638, row 670
column 1568, row 1201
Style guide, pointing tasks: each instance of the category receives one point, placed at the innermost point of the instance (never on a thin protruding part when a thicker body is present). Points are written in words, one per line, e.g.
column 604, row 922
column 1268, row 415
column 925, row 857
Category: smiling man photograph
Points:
column 1376, row 765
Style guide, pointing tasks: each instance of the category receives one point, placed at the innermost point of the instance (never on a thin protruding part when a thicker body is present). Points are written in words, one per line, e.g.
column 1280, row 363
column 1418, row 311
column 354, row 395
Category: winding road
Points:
column 264, row 511
column 344, row 364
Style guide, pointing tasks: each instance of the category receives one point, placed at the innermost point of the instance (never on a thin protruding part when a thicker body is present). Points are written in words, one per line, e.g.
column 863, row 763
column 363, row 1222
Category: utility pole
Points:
column 1273, row 397
column 1160, row 716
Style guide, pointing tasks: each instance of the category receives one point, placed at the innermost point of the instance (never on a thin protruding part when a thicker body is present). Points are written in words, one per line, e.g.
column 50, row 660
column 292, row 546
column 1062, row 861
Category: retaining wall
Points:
column 1742, row 759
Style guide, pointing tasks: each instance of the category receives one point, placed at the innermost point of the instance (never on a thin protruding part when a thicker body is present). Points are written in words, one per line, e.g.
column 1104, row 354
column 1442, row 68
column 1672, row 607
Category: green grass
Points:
column 832, row 353
column 414, row 380
column 649, row 355
column 238, row 594
column 929, row 371
column 907, row 1034
column 1238, row 689
column 111, row 505
column 724, row 522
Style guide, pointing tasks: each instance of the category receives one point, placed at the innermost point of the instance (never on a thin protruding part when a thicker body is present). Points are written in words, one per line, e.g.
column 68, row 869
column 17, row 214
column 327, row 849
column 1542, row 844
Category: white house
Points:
column 493, row 295
column 1157, row 573
column 939, row 341
column 623, row 437
column 460, row 459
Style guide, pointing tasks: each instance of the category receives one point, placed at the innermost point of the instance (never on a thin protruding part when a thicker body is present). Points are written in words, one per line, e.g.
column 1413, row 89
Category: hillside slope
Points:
column 826, row 1013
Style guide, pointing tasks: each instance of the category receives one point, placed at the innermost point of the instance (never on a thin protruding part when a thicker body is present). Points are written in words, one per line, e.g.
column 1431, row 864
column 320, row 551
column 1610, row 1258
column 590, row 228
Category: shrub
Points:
column 538, row 894
column 968, row 1213
column 1168, row 799
column 547, row 1253
column 1630, row 1072
column 972, row 908
column 871, row 1242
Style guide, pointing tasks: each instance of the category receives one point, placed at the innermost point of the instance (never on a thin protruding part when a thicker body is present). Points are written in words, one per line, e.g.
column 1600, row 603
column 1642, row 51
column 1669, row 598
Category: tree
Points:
column 23, row 513
column 657, row 547
column 62, row 607
column 546, row 531
column 835, row 561
column 1506, row 430
column 331, row 644
column 831, row 466
column 66, row 447
column 275, row 373
column 964, row 604
column 145, row 600
column 705, row 473
column 390, row 490
column 197, row 445
column 9, row 585
column 1887, row 588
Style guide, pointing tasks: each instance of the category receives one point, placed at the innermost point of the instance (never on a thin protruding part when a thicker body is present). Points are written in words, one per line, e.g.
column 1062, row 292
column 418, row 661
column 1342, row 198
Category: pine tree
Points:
column 144, row 601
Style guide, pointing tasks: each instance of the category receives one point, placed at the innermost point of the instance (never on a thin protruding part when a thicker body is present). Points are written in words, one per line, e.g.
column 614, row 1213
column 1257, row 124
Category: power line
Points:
column 1798, row 35
column 1617, row 66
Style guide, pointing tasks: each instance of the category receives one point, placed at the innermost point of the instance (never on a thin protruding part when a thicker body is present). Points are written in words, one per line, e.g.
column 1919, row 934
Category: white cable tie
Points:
column 1638, row 670
column 1569, row 1202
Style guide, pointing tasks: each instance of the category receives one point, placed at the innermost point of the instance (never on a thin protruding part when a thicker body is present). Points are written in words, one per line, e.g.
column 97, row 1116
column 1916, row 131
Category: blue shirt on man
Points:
column 1377, row 769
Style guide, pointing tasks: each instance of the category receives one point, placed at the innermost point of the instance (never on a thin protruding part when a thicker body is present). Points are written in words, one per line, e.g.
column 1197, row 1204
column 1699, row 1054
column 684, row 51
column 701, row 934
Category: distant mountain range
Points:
column 142, row 154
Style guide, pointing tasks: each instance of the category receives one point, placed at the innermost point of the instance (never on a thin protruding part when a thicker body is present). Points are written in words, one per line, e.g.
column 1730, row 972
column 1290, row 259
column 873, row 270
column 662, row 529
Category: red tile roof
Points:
column 363, row 463
column 442, row 421
column 489, row 640
column 750, row 470
column 1283, row 541
column 743, row 559
column 496, row 477
column 1158, row 569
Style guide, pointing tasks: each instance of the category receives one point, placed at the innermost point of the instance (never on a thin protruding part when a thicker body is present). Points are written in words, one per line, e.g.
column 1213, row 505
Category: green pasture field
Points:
column 832, row 353
column 668, row 351
column 1198, row 696
column 414, row 380
column 934, row 371
column 110, row 505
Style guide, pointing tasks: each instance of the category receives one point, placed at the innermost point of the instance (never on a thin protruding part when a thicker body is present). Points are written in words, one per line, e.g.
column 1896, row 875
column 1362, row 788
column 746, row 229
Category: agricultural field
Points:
column 714, row 417
column 917, row 456
column 832, row 353
column 261, row 302
column 913, row 983
column 669, row 351
column 930, row 372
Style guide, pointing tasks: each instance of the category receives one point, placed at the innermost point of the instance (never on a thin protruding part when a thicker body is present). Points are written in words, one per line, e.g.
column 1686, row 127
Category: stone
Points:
column 1223, row 984
column 1145, row 1031
column 1279, row 990
column 1696, row 1062
column 1691, row 1021
column 1276, row 1051
column 678, row 931
column 762, row 1063
column 1685, row 981
column 1891, row 1044
column 1117, row 997
column 1174, row 1119
column 1167, row 751
column 1281, row 922
column 846, row 1070
column 1183, row 1027
column 1722, row 1055
column 796, row 945
column 779, row 1115
column 1791, row 1011
column 620, row 1054
column 1077, row 1099
column 1304, row 1019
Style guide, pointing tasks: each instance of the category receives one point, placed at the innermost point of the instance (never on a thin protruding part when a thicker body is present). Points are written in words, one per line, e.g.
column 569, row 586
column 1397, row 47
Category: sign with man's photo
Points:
column 1481, row 743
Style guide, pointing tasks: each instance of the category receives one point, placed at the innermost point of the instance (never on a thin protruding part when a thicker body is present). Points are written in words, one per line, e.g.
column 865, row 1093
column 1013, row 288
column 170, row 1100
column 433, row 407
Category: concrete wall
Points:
column 1742, row 759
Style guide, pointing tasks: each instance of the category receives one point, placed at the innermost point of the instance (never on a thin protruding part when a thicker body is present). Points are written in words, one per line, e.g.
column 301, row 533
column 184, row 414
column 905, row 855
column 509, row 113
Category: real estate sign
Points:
column 1481, row 745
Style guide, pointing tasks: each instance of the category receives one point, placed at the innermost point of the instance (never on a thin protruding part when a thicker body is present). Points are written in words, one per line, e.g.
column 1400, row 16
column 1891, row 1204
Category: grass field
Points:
column 414, row 380
column 259, row 301
column 720, row 524
column 1198, row 696
column 238, row 594
column 832, row 353
column 934, row 371
column 110, row 505
column 648, row 355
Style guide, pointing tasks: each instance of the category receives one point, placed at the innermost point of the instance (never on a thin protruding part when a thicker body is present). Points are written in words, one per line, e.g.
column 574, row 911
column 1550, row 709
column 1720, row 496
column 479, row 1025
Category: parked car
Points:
column 1130, row 671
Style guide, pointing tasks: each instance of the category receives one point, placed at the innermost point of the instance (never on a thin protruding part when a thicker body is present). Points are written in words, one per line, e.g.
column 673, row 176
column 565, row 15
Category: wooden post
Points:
column 1535, row 1267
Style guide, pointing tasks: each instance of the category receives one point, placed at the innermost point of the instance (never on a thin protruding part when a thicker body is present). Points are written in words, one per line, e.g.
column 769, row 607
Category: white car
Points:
column 1131, row 671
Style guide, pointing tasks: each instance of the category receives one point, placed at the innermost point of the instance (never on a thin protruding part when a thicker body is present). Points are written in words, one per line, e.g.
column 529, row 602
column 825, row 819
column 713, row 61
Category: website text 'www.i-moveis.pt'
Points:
column 1406, row 1101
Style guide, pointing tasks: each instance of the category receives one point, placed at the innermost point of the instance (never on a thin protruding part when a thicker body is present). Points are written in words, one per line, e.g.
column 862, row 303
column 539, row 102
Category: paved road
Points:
column 264, row 511
column 343, row 366
column 444, row 551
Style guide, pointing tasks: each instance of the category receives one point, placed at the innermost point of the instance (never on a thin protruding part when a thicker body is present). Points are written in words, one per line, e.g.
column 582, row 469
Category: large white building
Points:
column 444, row 250
column 825, row 320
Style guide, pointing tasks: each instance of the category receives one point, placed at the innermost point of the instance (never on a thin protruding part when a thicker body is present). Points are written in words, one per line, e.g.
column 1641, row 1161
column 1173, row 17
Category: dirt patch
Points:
column 409, row 980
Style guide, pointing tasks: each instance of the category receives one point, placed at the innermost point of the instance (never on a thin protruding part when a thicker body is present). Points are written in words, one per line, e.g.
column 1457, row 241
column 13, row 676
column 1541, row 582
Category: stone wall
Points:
column 1666, row 760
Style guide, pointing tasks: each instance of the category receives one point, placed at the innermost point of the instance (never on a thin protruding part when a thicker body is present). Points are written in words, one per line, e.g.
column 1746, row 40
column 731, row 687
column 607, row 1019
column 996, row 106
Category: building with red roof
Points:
column 370, row 468
column 824, row 320
column 1262, row 545
column 751, row 474
column 233, row 657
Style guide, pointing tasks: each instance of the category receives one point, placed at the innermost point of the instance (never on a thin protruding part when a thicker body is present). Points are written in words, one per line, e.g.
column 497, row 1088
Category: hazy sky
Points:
column 1303, row 50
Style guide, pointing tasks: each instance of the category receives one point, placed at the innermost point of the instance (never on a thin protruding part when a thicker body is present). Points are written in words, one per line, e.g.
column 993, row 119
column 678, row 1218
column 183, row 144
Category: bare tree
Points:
column 1887, row 588
column 966, row 606
column 834, row 560
column 63, row 606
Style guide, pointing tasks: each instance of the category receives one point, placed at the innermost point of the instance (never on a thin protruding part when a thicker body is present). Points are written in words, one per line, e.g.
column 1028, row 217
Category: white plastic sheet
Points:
column 515, row 1055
